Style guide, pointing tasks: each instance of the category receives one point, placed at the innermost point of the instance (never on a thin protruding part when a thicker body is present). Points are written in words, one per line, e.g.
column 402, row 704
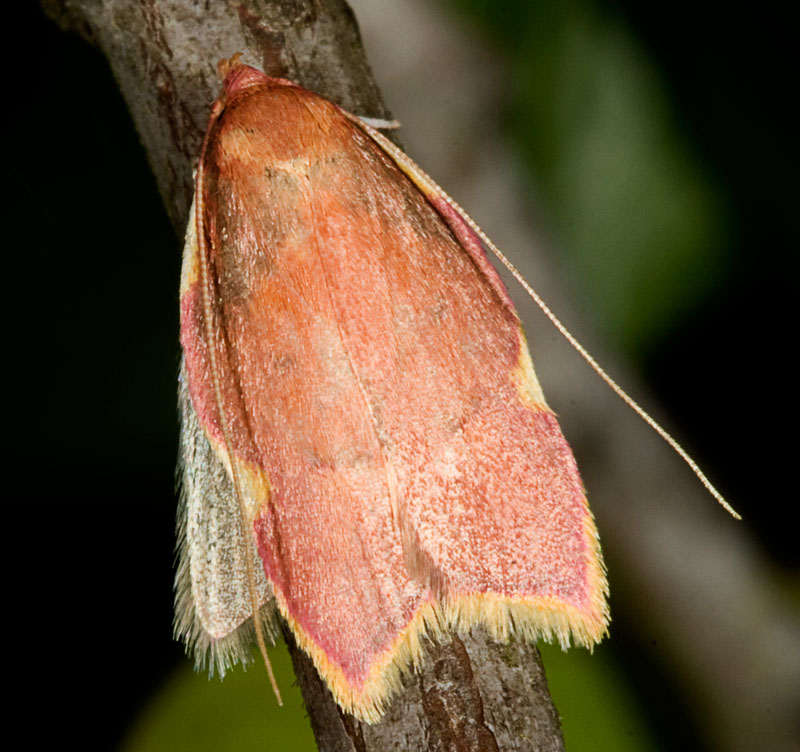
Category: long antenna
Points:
column 429, row 187
column 616, row 388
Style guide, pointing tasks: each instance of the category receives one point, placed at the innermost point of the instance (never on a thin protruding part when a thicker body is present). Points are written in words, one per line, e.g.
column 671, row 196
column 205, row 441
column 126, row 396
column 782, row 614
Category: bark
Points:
column 472, row 694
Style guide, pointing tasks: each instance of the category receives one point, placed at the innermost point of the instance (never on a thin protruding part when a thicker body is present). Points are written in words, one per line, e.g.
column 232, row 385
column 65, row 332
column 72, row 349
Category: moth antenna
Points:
column 208, row 315
column 600, row 371
column 431, row 188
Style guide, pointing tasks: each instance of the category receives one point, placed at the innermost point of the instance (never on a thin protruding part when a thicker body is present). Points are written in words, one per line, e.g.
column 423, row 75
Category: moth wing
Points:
column 305, row 451
column 530, row 560
column 213, row 613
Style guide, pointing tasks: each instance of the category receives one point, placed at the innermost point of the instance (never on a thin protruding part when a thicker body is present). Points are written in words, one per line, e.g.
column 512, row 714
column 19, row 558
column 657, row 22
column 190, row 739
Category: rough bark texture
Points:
column 164, row 52
column 472, row 694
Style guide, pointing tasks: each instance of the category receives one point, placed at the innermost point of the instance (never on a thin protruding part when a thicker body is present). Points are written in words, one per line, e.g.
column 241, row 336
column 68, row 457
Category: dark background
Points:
column 91, row 348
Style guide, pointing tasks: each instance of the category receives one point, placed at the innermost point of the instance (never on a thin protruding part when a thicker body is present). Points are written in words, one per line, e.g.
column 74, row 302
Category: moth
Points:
column 365, row 446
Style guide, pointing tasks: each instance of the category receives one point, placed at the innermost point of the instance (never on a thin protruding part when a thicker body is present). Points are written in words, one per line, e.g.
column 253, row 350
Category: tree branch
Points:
column 472, row 694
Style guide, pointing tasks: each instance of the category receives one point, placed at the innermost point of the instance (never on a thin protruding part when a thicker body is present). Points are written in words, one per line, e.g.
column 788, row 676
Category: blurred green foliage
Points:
column 238, row 714
column 627, row 195
column 598, row 710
